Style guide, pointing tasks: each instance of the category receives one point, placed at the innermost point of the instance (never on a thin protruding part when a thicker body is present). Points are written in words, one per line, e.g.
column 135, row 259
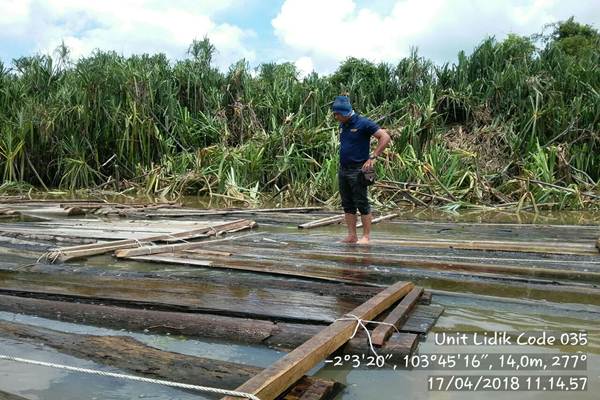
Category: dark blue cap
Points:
column 342, row 106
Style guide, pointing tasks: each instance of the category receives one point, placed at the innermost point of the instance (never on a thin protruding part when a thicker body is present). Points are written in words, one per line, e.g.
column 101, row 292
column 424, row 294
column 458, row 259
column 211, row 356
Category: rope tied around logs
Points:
column 362, row 323
column 162, row 382
column 55, row 254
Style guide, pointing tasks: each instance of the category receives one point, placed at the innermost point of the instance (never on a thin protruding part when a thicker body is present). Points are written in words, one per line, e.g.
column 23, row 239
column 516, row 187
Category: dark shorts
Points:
column 353, row 190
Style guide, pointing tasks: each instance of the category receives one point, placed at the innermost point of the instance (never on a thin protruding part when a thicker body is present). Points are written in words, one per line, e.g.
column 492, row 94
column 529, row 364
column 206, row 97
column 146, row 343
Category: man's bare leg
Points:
column 351, row 226
column 366, row 221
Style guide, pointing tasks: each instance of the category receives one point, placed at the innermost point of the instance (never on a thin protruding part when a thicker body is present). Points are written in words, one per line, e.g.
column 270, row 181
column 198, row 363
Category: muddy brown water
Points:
column 494, row 308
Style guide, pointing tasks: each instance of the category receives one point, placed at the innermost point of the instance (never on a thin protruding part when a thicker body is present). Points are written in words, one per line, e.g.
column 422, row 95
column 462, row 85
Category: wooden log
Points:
column 282, row 335
column 172, row 248
column 126, row 353
column 396, row 318
column 248, row 211
column 195, row 296
column 131, row 355
column 9, row 212
column 378, row 219
column 277, row 378
column 322, row 222
column 49, row 238
column 209, row 252
column 262, row 267
column 526, row 247
column 65, row 254
column 51, row 211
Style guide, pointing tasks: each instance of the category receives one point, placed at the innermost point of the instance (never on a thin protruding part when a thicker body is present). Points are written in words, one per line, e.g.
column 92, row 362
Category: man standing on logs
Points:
column 356, row 164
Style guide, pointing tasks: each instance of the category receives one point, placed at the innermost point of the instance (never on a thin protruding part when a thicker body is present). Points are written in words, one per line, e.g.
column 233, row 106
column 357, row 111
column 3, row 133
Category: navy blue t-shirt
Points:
column 355, row 138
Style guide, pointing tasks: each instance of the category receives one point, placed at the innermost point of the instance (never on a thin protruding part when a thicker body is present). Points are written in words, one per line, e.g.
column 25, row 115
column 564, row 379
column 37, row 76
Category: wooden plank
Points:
column 318, row 390
column 526, row 247
column 200, row 213
column 401, row 343
column 397, row 317
column 277, row 378
column 203, row 252
column 333, row 276
column 9, row 212
column 378, row 219
column 425, row 298
column 422, row 319
column 322, row 222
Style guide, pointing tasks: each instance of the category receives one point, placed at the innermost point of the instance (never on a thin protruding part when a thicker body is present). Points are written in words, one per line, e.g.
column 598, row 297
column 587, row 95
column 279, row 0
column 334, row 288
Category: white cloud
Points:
column 330, row 31
column 127, row 26
column 13, row 13
column 304, row 65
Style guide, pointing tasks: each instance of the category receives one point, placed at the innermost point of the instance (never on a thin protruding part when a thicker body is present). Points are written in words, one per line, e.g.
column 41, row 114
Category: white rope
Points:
column 133, row 378
column 362, row 323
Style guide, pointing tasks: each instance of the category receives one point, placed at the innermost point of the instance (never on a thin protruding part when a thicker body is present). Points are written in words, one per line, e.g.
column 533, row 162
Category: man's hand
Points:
column 368, row 165
column 383, row 139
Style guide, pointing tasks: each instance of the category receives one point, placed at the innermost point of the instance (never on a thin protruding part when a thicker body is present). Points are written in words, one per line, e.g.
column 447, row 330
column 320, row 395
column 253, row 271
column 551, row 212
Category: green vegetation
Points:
column 513, row 124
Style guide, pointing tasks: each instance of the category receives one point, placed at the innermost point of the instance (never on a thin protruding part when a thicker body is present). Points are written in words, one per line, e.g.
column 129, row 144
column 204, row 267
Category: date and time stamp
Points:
column 477, row 368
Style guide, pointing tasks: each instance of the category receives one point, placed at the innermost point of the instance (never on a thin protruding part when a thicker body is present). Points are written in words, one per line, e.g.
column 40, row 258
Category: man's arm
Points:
column 383, row 139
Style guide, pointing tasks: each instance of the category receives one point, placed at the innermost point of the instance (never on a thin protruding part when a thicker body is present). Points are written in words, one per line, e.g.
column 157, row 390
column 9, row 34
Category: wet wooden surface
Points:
column 281, row 335
column 252, row 302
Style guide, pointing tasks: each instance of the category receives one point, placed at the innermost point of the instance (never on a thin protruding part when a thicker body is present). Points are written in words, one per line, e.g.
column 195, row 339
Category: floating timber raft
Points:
column 251, row 277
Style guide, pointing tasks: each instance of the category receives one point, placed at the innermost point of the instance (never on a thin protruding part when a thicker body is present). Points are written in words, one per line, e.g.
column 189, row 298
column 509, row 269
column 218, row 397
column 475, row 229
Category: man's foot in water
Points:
column 364, row 240
column 349, row 239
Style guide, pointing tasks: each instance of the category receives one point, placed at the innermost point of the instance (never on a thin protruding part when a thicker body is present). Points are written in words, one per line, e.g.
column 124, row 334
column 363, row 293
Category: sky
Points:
column 314, row 34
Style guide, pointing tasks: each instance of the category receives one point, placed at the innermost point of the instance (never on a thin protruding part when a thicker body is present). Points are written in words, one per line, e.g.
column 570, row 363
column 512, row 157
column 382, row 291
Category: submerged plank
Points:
column 126, row 353
column 422, row 319
column 277, row 378
column 283, row 335
column 9, row 396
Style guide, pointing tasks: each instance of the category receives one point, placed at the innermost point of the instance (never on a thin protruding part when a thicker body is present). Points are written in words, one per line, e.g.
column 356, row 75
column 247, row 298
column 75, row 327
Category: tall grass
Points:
column 482, row 130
